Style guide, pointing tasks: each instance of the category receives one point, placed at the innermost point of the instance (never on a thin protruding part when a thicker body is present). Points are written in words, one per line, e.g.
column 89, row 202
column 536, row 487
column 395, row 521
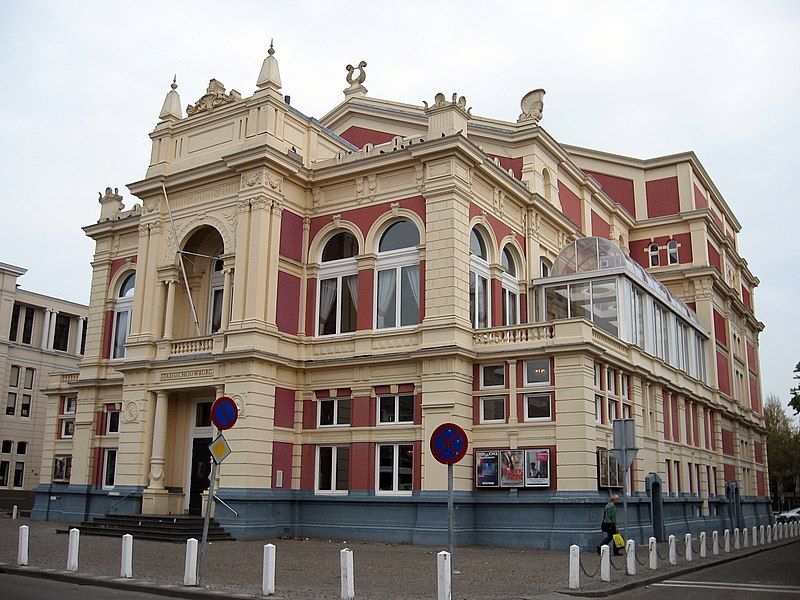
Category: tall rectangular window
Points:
column 13, row 330
column 338, row 302
column 19, row 474
column 27, row 325
column 11, row 403
column 29, row 374
column 333, row 469
column 122, row 327
column 110, row 468
column 395, row 468
column 25, row 405
column 112, row 422
column 479, row 300
column 62, row 468
column 398, row 297
column 61, row 337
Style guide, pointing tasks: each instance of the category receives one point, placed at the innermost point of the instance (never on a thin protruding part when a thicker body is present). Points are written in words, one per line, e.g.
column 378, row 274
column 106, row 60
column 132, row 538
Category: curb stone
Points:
column 624, row 587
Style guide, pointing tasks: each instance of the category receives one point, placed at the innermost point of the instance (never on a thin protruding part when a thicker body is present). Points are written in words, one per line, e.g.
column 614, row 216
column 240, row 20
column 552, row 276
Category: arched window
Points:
column 510, row 284
column 479, row 296
column 544, row 267
column 122, row 315
column 337, row 300
column 397, row 298
column 652, row 251
column 672, row 253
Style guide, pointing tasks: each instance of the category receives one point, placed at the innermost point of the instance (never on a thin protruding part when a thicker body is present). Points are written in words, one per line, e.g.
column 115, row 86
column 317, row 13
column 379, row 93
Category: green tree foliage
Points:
column 783, row 450
column 794, row 402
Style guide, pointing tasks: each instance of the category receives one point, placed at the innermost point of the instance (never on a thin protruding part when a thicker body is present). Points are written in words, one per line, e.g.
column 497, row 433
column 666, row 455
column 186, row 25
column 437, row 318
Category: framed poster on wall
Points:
column 487, row 471
column 512, row 468
column 537, row 467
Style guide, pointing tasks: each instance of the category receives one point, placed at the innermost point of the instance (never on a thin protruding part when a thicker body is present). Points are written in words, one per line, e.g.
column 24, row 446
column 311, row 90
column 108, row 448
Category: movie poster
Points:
column 537, row 467
column 512, row 468
column 486, row 468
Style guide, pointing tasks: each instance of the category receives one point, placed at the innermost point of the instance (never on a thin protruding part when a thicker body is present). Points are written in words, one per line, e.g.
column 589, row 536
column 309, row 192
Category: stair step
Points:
column 173, row 528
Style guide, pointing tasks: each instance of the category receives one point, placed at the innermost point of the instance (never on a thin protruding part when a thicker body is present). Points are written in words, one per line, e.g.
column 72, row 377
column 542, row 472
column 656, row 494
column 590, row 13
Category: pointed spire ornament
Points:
column 171, row 110
column 270, row 75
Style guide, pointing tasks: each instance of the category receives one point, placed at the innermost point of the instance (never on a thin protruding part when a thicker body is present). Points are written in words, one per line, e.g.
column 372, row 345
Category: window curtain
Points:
column 386, row 294
column 352, row 286
column 327, row 296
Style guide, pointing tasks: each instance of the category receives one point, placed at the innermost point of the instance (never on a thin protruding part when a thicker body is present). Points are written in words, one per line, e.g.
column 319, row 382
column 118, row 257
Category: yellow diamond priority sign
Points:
column 219, row 449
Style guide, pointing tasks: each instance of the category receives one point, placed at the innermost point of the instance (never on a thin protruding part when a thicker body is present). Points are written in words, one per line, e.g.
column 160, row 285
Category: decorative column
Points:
column 170, row 309
column 255, row 304
column 273, row 252
column 46, row 327
column 240, row 273
column 51, row 335
column 226, row 298
column 141, row 281
column 158, row 455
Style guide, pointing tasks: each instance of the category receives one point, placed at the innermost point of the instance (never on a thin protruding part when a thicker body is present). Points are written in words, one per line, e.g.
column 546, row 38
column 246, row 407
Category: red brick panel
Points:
column 714, row 259
column 751, row 357
column 755, row 394
column 107, row 327
column 291, row 244
column 284, row 407
column 662, row 197
column 599, row 227
column 713, row 431
column 118, row 263
column 699, row 200
column 497, row 303
column 309, row 414
column 758, row 448
column 307, row 467
column 618, row 189
column 282, row 461
column 416, row 482
column 746, row 298
column 571, row 205
column 676, row 421
column 362, row 466
column 723, row 375
column 638, row 250
column 727, row 442
column 720, row 329
column 366, row 286
column 311, row 307
column 730, row 473
column 515, row 164
column 365, row 217
column 417, row 409
column 360, row 136
column 760, row 484
column 667, row 419
column 287, row 315
column 362, row 412
column 688, row 421
column 695, row 425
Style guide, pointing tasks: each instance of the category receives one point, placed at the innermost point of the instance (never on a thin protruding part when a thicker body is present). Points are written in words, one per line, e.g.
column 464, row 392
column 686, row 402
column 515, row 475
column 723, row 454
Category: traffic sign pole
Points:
column 206, row 522
column 450, row 519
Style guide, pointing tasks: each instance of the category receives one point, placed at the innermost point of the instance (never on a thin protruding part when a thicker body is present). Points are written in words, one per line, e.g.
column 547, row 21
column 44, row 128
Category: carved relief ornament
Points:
column 215, row 96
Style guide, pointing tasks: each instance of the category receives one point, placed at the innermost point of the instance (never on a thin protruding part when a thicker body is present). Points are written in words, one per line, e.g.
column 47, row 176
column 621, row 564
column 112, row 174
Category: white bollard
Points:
column 574, row 569
column 268, row 572
column 687, row 540
column 126, row 567
column 745, row 538
column 726, row 535
column 630, row 555
column 72, row 551
column 715, row 543
column 761, row 538
column 703, row 551
column 673, row 551
column 22, row 548
column 605, row 563
column 653, row 550
column 775, row 532
column 443, row 574
column 736, row 544
column 769, row 534
column 190, row 566
column 755, row 536
column 15, row 512
column 348, row 585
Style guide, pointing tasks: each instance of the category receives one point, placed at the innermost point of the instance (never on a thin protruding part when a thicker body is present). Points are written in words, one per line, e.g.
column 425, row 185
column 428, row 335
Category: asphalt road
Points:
column 19, row 587
column 768, row 575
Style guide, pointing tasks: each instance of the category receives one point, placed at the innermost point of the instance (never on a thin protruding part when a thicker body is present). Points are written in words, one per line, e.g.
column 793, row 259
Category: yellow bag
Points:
column 619, row 541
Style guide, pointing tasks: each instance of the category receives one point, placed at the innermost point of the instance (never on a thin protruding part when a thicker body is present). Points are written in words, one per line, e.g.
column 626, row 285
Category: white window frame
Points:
column 67, row 459
column 62, row 426
column 396, row 398
column 334, row 473
column 216, row 284
column 483, row 418
column 545, row 267
column 396, row 260
column 482, row 381
column 22, row 405
column 529, row 419
column 106, row 453
column 598, row 408
column 510, row 289
column 527, row 383
column 335, row 412
column 653, row 257
column 67, row 410
column 480, row 269
column 673, row 257
column 108, row 422
column 336, row 269
column 395, row 470
column 122, row 305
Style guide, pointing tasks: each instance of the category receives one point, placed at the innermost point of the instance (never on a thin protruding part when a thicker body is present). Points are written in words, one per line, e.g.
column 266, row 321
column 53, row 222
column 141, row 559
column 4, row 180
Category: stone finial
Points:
column 215, row 96
column 110, row 205
column 356, row 77
column 270, row 75
column 171, row 110
column 532, row 105
column 447, row 117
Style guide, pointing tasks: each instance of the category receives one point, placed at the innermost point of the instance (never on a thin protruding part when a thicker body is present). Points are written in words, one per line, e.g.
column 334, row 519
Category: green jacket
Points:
column 610, row 513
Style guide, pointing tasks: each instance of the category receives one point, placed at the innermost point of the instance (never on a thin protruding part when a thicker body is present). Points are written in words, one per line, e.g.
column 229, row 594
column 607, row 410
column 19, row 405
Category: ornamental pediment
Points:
column 215, row 96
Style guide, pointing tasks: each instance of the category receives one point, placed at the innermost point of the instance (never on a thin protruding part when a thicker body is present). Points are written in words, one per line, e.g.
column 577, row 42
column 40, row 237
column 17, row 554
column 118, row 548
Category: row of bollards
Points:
column 741, row 539
column 268, row 570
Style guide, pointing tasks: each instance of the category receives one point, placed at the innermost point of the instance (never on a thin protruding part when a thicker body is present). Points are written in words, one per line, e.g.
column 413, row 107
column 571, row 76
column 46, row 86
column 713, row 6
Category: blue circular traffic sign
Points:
column 224, row 413
column 449, row 443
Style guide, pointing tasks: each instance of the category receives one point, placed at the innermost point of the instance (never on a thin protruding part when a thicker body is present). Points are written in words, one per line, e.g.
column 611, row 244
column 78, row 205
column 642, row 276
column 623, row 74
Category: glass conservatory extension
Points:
column 593, row 279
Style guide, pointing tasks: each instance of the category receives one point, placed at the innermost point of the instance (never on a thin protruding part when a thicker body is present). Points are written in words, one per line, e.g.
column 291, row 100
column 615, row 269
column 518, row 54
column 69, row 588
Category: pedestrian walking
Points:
column 609, row 524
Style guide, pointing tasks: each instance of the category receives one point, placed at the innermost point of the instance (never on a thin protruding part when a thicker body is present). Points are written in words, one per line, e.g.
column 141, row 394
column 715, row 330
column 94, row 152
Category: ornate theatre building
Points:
column 354, row 281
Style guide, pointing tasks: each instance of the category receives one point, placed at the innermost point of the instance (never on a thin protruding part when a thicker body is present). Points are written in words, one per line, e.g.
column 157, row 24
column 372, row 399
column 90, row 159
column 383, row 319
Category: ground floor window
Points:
column 4, row 466
column 110, row 468
column 19, row 474
column 62, row 468
column 333, row 469
column 395, row 468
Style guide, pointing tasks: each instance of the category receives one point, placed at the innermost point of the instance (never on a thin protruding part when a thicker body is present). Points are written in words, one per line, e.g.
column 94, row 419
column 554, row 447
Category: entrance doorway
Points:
column 653, row 482
column 201, row 470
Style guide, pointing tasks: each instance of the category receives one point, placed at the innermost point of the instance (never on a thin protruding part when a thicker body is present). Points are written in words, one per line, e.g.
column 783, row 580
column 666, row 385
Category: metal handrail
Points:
column 225, row 504
column 117, row 503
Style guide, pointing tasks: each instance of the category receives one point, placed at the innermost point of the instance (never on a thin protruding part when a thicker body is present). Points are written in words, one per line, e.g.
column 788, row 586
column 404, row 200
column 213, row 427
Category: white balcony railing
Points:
column 514, row 333
column 201, row 345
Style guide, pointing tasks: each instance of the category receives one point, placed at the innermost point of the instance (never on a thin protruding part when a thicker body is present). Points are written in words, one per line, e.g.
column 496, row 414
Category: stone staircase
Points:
column 161, row 528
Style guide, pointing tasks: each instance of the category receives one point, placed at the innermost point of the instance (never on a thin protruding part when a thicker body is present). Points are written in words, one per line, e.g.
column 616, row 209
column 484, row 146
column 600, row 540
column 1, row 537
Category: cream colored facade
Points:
column 39, row 335
column 239, row 205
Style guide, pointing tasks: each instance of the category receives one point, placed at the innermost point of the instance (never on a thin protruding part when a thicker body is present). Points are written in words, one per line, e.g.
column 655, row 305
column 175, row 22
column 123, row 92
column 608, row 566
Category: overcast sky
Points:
column 83, row 83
